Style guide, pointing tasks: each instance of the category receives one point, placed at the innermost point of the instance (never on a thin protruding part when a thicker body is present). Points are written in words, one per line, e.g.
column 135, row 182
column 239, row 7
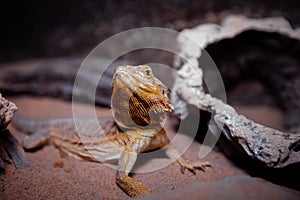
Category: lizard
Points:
column 139, row 104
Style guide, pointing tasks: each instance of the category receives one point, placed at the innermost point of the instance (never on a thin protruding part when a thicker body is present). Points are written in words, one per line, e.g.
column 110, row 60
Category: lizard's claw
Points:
column 192, row 166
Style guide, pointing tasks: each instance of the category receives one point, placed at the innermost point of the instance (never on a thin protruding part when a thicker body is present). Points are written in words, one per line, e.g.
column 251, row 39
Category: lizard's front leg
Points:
column 132, row 187
column 173, row 153
column 161, row 141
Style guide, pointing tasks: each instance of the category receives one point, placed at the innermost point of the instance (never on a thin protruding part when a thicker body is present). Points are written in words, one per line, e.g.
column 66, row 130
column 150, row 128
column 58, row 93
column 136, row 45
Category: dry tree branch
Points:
column 269, row 146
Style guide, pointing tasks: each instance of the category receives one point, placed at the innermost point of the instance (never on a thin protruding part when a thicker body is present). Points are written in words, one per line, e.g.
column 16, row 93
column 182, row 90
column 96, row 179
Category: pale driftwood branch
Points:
column 269, row 146
column 7, row 110
column 10, row 149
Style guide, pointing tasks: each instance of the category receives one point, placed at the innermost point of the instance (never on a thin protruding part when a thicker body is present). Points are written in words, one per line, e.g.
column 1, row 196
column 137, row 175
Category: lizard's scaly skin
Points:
column 139, row 105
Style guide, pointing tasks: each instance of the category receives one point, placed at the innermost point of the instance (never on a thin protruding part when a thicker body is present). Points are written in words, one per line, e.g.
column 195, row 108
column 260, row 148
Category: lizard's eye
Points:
column 148, row 72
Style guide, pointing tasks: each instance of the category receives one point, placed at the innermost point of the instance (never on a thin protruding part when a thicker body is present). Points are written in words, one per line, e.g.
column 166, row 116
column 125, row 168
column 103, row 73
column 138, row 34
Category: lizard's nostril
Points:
column 129, row 67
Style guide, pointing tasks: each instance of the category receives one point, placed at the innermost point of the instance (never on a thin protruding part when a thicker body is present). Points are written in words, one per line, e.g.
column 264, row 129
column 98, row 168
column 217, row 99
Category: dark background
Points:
column 258, row 69
column 51, row 28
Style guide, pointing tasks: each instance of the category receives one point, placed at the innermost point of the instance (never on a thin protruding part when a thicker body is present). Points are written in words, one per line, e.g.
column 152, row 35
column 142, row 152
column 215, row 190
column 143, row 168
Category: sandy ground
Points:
column 55, row 176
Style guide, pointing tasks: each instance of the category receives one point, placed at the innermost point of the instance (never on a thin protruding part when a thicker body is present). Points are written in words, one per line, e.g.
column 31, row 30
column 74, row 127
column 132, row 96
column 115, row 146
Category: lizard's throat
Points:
column 138, row 111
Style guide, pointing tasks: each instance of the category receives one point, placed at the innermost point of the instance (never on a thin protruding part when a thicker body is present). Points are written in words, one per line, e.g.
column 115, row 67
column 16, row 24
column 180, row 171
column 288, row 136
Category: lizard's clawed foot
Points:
column 132, row 187
column 192, row 166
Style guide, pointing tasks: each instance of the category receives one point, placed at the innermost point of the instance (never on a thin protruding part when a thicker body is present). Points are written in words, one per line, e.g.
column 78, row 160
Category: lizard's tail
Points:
column 25, row 125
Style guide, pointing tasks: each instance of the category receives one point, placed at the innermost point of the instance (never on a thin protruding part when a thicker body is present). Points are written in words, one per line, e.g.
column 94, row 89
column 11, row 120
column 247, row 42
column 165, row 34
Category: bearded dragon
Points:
column 139, row 104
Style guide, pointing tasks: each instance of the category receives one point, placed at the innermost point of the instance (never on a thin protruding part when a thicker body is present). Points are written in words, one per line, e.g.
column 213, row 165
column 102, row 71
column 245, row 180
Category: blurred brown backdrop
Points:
column 32, row 29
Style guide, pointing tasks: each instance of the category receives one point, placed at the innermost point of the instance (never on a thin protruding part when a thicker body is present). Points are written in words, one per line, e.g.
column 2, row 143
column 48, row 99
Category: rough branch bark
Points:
column 267, row 145
column 10, row 149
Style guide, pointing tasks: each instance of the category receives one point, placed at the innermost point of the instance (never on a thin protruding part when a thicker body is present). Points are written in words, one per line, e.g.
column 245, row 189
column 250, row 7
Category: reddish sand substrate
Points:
column 54, row 176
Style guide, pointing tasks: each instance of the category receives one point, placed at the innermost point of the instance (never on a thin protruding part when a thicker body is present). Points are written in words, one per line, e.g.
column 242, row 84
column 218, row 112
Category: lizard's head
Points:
column 135, row 91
